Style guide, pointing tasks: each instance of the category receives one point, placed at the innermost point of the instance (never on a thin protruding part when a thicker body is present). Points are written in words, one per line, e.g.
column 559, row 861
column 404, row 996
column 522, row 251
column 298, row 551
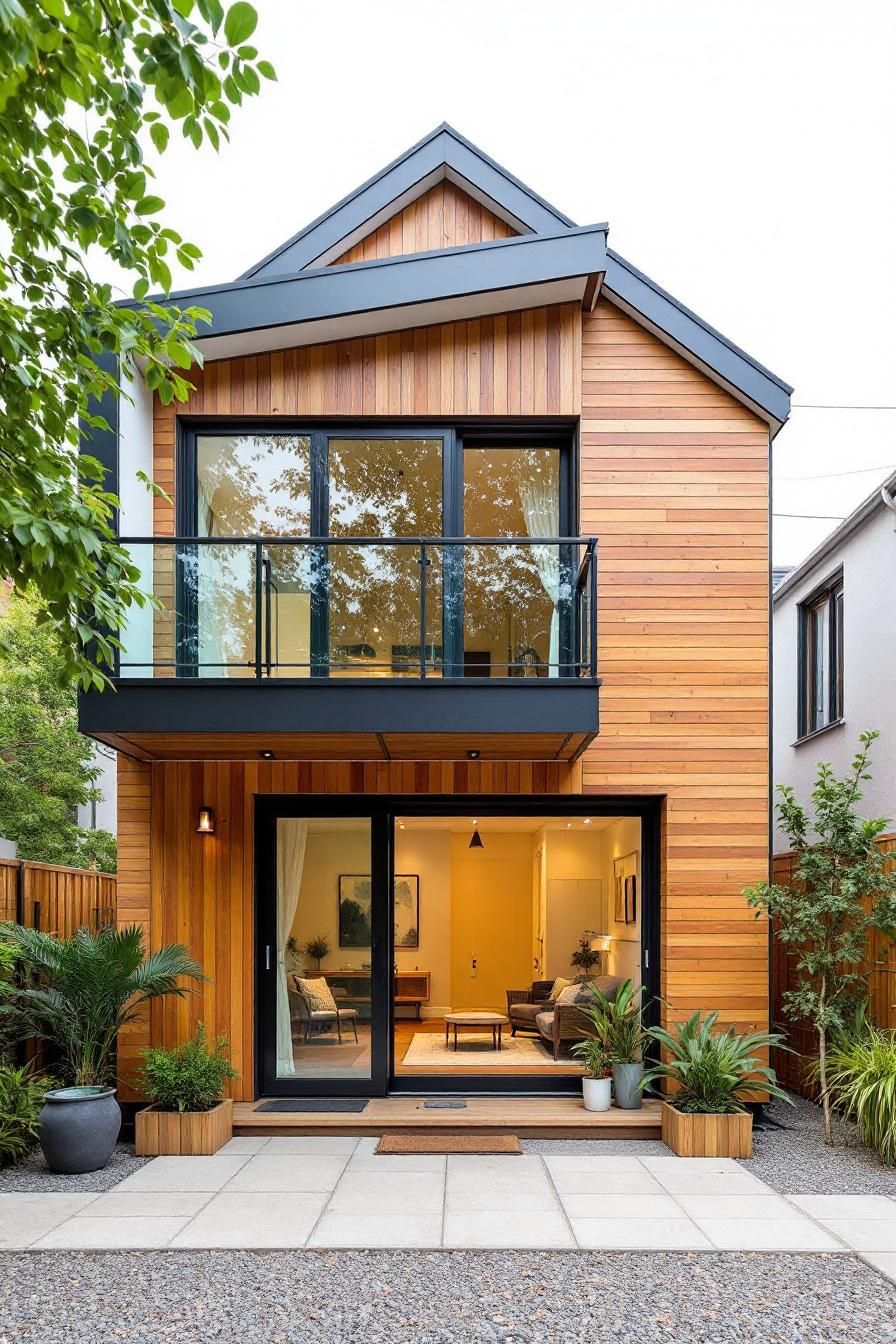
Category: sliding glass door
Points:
column 323, row 963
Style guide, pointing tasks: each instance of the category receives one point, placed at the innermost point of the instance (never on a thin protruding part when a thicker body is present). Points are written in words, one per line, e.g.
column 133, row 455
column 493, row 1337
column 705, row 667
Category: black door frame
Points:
column 383, row 810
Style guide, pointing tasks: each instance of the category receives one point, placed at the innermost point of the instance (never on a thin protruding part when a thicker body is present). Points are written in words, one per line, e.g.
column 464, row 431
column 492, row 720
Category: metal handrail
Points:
column 273, row 540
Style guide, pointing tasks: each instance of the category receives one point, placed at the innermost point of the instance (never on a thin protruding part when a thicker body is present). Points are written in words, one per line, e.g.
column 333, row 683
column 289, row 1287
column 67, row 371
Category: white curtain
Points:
column 541, row 509
column 292, row 837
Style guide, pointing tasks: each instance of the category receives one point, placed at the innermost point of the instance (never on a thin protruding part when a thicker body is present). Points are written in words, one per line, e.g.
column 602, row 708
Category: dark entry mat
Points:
column 290, row 1104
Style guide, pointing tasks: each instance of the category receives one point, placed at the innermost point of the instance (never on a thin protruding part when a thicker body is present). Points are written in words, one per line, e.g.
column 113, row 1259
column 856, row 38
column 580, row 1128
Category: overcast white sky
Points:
column 742, row 151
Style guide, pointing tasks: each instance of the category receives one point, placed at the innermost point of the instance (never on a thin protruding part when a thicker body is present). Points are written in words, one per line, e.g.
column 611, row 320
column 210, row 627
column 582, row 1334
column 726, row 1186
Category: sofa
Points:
column 558, row 1025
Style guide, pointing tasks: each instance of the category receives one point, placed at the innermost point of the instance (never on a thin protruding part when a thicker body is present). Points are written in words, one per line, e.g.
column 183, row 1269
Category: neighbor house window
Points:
column 821, row 658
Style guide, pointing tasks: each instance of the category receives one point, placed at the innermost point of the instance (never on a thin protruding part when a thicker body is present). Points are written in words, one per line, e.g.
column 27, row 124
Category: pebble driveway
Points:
column 331, row 1193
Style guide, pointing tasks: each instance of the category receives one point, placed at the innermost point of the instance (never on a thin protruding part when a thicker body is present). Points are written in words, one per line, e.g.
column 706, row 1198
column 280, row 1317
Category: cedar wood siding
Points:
column 674, row 481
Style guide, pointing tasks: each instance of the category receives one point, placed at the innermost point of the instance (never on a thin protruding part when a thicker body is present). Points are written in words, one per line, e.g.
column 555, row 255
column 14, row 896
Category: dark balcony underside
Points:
column 524, row 720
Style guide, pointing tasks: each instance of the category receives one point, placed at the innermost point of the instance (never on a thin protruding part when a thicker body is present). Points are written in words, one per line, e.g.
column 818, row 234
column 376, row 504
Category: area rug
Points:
column 449, row 1143
column 296, row 1104
column 475, row 1051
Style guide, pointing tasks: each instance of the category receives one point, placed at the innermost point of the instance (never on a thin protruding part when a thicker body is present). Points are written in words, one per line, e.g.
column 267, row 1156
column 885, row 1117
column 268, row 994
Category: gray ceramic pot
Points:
column 78, row 1128
column 626, row 1078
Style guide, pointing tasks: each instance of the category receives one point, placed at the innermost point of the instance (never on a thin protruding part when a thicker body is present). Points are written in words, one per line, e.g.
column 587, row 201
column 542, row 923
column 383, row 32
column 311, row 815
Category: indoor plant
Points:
column 78, row 994
column 624, row 1038
column 597, row 1083
column 317, row 947
column 189, row 1114
column 713, row 1075
column 585, row 956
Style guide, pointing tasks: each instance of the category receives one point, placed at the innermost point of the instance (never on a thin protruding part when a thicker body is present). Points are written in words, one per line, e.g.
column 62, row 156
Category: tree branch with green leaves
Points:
column 86, row 87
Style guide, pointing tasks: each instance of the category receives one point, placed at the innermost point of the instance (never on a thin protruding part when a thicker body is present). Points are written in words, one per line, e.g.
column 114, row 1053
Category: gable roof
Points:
column 880, row 498
column 446, row 154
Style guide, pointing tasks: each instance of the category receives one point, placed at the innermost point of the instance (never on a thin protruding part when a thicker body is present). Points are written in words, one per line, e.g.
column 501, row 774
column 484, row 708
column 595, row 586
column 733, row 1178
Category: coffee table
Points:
column 496, row 1021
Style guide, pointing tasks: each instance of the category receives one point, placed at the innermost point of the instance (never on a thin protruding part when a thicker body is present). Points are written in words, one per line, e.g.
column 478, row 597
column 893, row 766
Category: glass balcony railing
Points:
column 361, row 607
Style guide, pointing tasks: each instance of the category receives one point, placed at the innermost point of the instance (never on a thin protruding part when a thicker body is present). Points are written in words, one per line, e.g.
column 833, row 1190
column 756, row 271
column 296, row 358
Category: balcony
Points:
column 357, row 648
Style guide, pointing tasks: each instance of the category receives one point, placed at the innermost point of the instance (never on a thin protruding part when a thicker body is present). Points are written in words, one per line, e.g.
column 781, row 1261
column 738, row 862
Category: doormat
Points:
column 449, row 1143
column 291, row 1104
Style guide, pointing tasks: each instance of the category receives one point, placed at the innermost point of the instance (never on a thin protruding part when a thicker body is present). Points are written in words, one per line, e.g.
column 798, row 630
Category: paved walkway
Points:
column 285, row 1193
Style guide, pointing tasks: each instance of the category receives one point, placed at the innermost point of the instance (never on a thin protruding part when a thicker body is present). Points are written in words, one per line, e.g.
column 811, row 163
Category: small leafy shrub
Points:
column 617, row 1021
column 713, row 1073
column 862, row 1079
column 190, row 1077
column 21, row 1098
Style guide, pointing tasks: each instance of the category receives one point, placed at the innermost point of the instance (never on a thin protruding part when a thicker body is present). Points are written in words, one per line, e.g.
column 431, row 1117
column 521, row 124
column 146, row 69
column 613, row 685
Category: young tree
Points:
column 839, row 890
column 46, row 767
column 85, row 86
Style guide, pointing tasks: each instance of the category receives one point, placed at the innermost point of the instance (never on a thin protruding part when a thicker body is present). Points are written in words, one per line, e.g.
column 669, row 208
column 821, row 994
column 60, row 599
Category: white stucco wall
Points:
column 136, row 516
column 102, row 815
column 868, row 559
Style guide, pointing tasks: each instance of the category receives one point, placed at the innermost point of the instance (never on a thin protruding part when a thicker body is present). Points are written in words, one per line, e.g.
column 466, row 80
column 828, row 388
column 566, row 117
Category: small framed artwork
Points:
column 406, row 910
column 631, row 899
column 619, row 892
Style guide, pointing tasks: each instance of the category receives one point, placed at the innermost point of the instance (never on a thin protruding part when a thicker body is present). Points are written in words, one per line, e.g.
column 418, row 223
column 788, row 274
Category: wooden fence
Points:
column 878, row 968
column 55, row 899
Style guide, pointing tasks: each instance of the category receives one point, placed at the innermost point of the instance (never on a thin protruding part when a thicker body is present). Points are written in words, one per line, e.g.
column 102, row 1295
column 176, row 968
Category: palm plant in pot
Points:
column 598, row 1080
column 713, row 1076
column 78, row 994
column 618, row 1018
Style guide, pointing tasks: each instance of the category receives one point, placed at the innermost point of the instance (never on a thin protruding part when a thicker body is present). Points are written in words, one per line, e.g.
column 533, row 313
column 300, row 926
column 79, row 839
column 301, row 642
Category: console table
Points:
column 412, row 989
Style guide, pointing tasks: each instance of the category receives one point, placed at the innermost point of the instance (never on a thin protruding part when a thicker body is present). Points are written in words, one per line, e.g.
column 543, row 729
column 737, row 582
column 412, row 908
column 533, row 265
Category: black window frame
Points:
column 829, row 594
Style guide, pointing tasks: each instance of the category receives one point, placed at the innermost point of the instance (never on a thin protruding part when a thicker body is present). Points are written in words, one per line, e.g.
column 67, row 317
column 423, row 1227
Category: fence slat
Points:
column 57, row 899
column 878, row 968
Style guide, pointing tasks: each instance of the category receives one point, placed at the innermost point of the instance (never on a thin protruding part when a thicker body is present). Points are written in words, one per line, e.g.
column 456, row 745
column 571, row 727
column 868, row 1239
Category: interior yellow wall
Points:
column 428, row 854
column 621, row 838
column 491, row 919
column 575, row 881
column 327, row 854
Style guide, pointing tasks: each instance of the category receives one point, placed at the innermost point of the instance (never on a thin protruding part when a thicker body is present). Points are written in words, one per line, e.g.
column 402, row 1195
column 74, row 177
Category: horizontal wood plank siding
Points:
column 524, row 363
column 674, row 480
column 444, row 216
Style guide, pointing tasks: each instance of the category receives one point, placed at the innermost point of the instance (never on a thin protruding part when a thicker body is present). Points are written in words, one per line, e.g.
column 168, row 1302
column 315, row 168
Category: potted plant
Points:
column 597, row 1083
column 713, row 1075
column 318, row 948
column 78, row 994
column 619, row 1021
column 585, row 956
column 188, row 1114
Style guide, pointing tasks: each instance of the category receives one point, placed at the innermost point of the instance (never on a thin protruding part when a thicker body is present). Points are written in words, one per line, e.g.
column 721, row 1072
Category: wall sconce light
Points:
column 206, row 823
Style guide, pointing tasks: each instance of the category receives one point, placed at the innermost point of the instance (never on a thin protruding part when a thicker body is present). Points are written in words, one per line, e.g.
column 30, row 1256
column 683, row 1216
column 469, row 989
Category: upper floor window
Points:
column 821, row 658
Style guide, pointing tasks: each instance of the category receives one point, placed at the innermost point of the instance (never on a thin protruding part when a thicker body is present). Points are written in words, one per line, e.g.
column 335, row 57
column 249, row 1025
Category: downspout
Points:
column 889, row 501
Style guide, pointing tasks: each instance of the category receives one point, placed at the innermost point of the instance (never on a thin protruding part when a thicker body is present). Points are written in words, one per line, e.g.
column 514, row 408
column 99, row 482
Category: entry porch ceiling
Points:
column 236, row 746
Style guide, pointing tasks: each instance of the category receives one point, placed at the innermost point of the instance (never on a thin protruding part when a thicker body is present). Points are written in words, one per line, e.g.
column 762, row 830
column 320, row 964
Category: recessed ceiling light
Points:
column 569, row 825
column 473, row 754
column 401, row 825
column 267, row 755
column 475, row 821
column 587, row 821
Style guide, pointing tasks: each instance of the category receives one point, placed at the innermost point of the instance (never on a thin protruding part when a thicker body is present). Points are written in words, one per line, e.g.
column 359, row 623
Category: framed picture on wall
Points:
column 354, row 910
column 619, row 892
column 406, row 910
column 631, row 899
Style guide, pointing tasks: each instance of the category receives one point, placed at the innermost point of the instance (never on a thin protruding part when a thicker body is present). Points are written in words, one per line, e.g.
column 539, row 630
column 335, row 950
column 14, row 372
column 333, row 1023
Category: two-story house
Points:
column 461, row 660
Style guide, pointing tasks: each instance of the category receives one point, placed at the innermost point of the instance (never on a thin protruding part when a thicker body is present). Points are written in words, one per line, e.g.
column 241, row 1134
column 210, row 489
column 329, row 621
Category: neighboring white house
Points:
column 102, row 815
column 834, row 656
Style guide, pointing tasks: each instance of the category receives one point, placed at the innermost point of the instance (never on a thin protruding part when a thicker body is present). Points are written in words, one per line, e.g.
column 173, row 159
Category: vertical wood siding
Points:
column 674, row 480
column 525, row 363
column 444, row 216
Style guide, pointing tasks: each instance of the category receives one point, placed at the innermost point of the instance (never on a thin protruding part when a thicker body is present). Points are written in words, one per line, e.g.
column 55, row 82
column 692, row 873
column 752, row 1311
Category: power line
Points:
column 819, row 517
column 827, row 475
column 833, row 406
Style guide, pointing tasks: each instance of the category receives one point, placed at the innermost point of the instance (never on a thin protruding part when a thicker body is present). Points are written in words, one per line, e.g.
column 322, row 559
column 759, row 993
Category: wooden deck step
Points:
column 527, row 1117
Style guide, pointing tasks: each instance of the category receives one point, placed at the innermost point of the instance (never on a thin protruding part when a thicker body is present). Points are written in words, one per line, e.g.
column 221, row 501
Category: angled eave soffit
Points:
column 296, row 296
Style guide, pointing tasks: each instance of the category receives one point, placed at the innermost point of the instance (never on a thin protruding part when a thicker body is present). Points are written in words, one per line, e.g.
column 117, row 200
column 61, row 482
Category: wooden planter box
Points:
column 183, row 1134
column 707, row 1135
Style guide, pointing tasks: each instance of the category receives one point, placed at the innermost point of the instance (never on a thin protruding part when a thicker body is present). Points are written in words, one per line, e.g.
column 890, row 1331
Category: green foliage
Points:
column 189, row 1077
column 715, row 1073
column 617, row 1022
column 46, row 767
column 584, row 956
column 592, row 1051
column 862, row 1082
column 317, row 947
column 840, row 890
column 80, row 992
column 85, row 86
column 21, row 1098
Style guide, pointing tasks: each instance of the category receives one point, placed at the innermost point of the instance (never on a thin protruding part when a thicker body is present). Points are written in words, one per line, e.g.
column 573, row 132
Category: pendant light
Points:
column 476, row 838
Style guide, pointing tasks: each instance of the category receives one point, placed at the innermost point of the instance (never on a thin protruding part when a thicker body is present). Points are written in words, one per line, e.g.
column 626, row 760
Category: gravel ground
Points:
column 34, row 1177
column 446, row 1297
column 796, row 1161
